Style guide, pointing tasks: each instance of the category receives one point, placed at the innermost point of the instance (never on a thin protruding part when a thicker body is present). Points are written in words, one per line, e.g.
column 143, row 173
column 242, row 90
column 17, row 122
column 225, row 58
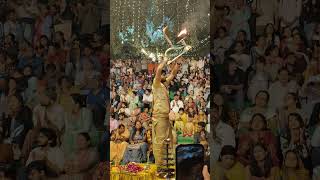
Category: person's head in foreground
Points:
column 260, row 156
column 293, row 166
column 36, row 170
column 227, row 157
column 47, row 138
column 83, row 141
column 47, row 98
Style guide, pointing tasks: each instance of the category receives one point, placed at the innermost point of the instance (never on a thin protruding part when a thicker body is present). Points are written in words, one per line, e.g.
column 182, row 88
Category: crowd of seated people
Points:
column 54, row 60
column 266, row 90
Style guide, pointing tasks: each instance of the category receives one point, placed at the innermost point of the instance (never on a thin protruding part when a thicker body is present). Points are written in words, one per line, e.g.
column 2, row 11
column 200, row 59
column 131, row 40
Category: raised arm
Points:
column 165, row 34
column 173, row 73
column 157, row 78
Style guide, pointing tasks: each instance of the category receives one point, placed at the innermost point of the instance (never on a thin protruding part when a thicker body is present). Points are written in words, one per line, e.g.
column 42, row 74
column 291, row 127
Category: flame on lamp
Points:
column 183, row 32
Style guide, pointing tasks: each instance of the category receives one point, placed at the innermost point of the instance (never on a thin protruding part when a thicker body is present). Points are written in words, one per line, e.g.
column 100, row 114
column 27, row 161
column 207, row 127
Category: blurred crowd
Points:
column 54, row 66
column 265, row 117
column 131, row 107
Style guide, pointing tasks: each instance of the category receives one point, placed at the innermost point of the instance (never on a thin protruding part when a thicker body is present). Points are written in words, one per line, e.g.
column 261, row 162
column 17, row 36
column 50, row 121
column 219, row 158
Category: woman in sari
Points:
column 77, row 121
column 223, row 108
column 292, row 168
column 261, row 166
column 258, row 132
column 82, row 163
column 292, row 105
column 137, row 149
column 294, row 138
column 118, row 143
column 260, row 106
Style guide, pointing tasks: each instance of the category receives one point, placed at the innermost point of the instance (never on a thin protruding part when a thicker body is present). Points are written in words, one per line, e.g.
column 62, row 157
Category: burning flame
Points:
column 183, row 32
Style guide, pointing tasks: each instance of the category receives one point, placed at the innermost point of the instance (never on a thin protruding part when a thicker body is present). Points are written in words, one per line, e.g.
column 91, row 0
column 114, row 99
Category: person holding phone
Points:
column 205, row 173
column 190, row 161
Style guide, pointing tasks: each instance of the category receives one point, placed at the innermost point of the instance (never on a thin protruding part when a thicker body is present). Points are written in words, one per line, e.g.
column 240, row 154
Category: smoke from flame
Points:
column 199, row 17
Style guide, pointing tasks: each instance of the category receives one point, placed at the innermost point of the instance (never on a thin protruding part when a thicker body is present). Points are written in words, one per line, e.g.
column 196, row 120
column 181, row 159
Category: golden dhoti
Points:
column 161, row 126
column 161, row 130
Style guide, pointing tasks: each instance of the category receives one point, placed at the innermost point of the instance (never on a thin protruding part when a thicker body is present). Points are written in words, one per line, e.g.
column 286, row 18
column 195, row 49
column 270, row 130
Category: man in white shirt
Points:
column 48, row 113
column 176, row 104
column 279, row 89
column 267, row 13
column 147, row 98
column 289, row 12
column 11, row 25
column 221, row 134
column 48, row 151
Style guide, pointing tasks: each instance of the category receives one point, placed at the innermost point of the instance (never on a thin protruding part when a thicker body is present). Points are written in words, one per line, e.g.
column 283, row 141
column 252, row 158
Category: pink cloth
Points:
column 113, row 124
column 265, row 137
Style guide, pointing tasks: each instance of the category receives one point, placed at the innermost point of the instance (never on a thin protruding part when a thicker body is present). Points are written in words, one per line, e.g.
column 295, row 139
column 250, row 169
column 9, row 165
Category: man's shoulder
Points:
column 56, row 150
column 275, row 85
column 225, row 126
column 37, row 149
column 38, row 107
column 58, row 107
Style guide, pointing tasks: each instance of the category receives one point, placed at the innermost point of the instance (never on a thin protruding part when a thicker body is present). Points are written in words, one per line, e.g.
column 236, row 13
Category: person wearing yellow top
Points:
column 64, row 93
column 179, row 124
column 202, row 117
column 161, row 126
column 293, row 168
column 228, row 167
column 189, row 128
column 183, row 116
column 118, row 143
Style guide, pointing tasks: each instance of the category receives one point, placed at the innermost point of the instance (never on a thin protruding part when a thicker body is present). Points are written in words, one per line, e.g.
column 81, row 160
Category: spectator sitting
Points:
column 176, row 104
column 48, row 152
column 137, row 149
column 37, row 170
column 81, row 163
column 19, row 121
column 228, row 167
column 118, row 143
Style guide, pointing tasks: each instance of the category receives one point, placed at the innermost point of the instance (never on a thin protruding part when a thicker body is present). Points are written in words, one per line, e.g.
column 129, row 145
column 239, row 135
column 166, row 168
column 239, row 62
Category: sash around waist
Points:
column 160, row 115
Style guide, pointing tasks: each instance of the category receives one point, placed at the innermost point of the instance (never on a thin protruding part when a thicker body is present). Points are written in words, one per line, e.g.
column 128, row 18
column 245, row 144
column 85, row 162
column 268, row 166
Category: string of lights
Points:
column 132, row 15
